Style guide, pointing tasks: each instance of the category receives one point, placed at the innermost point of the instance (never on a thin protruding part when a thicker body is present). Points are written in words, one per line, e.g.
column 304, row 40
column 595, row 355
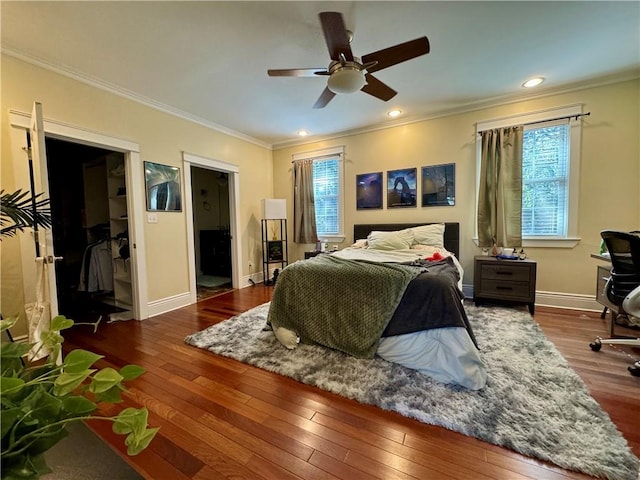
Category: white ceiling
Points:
column 207, row 61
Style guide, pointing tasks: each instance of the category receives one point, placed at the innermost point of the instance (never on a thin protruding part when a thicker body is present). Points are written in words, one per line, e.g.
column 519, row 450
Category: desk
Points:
column 603, row 273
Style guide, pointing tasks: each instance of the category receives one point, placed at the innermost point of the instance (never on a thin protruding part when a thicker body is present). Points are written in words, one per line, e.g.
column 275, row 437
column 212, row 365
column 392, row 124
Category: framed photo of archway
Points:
column 402, row 188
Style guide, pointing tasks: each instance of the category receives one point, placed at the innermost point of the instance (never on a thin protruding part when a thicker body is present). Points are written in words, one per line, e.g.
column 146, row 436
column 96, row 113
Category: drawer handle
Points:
column 507, row 272
column 498, row 287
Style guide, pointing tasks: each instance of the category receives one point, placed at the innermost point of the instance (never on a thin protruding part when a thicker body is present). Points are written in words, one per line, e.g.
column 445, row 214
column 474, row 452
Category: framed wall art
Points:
column 369, row 190
column 439, row 185
column 162, row 185
column 402, row 188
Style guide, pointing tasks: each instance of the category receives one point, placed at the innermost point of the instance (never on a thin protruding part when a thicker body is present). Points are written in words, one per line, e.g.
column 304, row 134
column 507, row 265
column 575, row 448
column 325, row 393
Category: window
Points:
column 326, row 192
column 545, row 162
column 328, row 171
column 550, row 166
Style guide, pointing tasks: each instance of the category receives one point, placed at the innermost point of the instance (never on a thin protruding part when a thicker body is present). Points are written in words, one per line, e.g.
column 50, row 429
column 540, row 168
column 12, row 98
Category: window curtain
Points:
column 304, row 210
column 500, row 194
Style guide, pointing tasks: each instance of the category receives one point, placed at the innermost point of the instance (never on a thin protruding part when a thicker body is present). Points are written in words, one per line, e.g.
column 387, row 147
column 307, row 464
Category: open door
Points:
column 39, row 183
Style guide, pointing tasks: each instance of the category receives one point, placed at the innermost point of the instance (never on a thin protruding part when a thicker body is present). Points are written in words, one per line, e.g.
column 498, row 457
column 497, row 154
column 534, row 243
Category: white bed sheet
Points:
column 389, row 256
column 447, row 355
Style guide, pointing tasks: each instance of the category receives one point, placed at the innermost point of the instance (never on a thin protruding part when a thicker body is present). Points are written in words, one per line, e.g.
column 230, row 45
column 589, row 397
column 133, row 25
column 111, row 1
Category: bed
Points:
column 395, row 293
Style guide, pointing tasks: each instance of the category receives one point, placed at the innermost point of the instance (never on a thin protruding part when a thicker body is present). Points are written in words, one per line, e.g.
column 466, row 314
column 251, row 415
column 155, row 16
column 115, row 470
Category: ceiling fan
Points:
column 348, row 74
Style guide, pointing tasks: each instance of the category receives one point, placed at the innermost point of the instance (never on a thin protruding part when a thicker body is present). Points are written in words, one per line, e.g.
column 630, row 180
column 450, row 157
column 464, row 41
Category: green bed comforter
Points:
column 341, row 304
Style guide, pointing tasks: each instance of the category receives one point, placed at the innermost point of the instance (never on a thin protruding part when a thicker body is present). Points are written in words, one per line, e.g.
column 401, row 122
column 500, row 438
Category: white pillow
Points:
column 360, row 243
column 400, row 240
column 287, row 337
column 432, row 235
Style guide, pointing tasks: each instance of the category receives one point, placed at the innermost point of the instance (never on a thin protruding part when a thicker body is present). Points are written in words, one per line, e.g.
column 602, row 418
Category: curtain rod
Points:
column 318, row 157
column 548, row 120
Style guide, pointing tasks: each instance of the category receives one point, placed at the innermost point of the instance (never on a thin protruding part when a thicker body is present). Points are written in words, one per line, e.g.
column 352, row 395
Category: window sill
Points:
column 545, row 242
column 333, row 238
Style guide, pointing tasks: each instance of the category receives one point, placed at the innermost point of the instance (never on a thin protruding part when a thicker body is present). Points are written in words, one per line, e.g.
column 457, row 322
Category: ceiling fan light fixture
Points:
column 346, row 80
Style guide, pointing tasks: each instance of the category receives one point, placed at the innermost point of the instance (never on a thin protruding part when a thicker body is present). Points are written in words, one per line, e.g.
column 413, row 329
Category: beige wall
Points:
column 161, row 137
column 609, row 176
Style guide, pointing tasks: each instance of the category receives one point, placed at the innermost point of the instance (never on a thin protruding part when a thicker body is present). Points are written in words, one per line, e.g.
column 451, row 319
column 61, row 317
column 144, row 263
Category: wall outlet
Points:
column 152, row 218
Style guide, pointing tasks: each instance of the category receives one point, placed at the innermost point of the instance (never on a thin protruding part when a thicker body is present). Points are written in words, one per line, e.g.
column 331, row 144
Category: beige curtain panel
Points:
column 304, row 210
column 500, row 195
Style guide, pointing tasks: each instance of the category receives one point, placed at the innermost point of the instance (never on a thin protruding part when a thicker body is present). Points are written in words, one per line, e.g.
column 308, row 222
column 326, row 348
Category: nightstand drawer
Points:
column 508, row 272
column 505, row 290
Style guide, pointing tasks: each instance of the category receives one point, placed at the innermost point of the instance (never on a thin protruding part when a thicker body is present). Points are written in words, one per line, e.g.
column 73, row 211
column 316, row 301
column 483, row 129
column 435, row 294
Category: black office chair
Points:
column 622, row 287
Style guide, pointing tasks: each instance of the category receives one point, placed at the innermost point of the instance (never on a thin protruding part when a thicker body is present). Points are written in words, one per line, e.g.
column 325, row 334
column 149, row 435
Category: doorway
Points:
column 211, row 231
column 87, row 189
column 233, row 185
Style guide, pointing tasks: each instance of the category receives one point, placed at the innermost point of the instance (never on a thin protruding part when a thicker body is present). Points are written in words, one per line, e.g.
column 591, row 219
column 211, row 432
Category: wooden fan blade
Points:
column 325, row 98
column 378, row 89
column 297, row 72
column 397, row 54
column 335, row 34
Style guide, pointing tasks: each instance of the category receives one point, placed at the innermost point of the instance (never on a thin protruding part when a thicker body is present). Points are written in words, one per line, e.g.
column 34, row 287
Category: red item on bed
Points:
column 435, row 257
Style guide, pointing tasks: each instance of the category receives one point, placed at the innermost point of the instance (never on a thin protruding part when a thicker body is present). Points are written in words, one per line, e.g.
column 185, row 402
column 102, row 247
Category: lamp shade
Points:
column 346, row 80
column 274, row 208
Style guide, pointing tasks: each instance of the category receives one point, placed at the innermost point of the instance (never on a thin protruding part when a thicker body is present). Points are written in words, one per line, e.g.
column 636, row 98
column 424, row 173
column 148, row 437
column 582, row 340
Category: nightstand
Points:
column 311, row 254
column 509, row 281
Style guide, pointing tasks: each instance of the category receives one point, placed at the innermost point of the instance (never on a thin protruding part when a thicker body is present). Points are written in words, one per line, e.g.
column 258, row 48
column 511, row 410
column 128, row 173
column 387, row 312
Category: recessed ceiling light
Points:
column 533, row 82
column 394, row 113
column 302, row 133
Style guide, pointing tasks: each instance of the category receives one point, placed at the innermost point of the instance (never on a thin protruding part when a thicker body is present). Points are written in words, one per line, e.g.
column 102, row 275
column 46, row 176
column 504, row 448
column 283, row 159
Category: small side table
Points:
column 509, row 281
column 311, row 254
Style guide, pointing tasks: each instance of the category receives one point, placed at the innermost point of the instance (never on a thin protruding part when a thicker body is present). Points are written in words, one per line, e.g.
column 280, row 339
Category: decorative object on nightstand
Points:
column 274, row 236
column 502, row 280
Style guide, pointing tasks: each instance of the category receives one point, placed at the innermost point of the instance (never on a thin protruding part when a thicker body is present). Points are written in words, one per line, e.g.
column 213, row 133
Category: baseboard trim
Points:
column 168, row 304
column 570, row 301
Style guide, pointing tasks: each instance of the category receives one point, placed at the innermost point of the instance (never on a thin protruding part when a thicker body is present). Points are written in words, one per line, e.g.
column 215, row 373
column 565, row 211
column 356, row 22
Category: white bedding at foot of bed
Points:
column 445, row 354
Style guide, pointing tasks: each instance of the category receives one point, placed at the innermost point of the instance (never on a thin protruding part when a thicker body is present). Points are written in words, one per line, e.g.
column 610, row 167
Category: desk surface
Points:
column 606, row 258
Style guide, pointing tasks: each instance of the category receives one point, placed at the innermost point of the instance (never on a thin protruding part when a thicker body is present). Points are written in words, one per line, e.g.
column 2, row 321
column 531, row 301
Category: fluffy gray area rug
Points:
column 533, row 403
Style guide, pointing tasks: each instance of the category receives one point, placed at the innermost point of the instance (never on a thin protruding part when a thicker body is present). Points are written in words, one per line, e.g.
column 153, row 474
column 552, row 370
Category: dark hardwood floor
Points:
column 220, row 418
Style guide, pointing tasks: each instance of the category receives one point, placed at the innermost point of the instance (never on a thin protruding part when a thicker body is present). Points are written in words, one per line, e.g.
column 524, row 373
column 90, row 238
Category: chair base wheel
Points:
column 596, row 345
column 634, row 369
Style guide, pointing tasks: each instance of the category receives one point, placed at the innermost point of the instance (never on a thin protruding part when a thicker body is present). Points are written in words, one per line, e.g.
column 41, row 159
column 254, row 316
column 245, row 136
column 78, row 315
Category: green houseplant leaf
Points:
column 38, row 401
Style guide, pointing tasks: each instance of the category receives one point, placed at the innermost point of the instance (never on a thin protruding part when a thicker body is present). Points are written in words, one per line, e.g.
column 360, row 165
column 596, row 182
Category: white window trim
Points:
column 330, row 152
column 575, row 134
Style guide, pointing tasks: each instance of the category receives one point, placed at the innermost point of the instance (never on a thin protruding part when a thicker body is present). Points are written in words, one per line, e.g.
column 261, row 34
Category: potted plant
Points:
column 20, row 210
column 38, row 401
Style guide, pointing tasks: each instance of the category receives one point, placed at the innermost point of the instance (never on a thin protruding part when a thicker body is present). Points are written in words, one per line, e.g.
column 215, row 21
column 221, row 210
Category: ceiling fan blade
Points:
column 378, row 89
column 325, row 98
column 297, row 72
column 397, row 54
column 335, row 34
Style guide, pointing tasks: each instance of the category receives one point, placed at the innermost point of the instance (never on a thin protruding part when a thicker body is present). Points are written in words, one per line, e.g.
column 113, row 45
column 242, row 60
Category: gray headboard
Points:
column 451, row 232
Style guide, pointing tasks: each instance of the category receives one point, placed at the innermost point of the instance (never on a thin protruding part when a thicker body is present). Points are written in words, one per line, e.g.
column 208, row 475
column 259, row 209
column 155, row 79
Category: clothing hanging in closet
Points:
column 96, row 273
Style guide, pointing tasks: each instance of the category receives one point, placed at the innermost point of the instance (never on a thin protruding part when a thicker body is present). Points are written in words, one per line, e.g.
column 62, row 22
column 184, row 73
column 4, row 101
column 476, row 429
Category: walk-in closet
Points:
column 87, row 187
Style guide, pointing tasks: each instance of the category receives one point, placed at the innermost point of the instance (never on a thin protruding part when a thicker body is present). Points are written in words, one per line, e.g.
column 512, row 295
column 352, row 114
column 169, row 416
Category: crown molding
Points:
column 121, row 92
